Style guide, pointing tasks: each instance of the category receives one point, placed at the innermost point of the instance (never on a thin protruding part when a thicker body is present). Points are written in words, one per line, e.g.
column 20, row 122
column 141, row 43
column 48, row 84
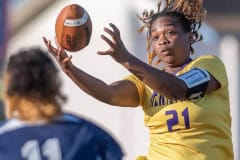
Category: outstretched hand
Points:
column 60, row 55
column 117, row 49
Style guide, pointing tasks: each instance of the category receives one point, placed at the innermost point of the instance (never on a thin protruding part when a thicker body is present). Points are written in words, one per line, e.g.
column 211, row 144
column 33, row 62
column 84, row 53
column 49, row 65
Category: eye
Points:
column 171, row 33
column 154, row 38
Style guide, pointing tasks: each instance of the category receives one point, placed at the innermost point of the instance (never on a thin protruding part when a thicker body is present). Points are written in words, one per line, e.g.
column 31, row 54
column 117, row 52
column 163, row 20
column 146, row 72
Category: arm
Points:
column 160, row 81
column 212, row 85
column 163, row 82
column 120, row 93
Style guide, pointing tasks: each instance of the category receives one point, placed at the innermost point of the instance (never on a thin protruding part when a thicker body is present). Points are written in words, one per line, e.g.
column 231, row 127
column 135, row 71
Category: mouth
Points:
column 165, row 51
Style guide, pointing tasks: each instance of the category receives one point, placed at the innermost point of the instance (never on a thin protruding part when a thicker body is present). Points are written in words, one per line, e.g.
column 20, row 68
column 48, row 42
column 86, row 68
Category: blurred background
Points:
column 24, row 22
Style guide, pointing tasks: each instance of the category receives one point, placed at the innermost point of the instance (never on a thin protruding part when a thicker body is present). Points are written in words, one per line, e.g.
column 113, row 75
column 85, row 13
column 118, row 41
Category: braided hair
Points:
column 32, row 86
column 189, row 12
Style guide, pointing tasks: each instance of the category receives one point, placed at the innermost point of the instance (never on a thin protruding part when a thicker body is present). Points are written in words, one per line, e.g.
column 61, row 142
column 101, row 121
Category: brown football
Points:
column 73, row 28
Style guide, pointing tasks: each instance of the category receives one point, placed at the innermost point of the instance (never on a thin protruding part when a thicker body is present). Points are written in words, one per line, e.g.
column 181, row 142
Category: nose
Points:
column 163, row 40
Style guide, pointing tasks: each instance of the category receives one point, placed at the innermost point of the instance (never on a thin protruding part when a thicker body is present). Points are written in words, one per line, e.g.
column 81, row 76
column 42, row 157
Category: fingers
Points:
column 48, row 44
column 45, row 40
column 108, row 41
column 114, row 42
column 57, row 43
column 108, row 52
column 107, row 30
column 61, row 55
column 58, row 52
column 115, row 29
column 66, row 60
column 113, row 32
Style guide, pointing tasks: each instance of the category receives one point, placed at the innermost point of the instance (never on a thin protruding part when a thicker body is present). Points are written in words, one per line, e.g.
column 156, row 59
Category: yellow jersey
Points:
column 197, row 129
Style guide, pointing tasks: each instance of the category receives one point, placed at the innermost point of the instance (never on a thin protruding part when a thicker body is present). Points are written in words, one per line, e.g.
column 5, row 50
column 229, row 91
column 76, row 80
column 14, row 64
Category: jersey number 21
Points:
column 175, row 119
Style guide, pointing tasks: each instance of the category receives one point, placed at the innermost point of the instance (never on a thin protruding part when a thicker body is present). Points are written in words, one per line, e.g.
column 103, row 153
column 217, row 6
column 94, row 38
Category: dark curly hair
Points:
column 190, row 14
column 34, row 77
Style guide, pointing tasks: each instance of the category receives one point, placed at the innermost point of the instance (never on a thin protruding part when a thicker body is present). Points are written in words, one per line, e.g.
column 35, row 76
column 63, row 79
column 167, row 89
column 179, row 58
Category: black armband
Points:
column 196, row 81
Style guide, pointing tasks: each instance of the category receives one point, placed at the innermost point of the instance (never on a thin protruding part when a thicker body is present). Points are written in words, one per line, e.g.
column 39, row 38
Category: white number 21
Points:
column 51, row 149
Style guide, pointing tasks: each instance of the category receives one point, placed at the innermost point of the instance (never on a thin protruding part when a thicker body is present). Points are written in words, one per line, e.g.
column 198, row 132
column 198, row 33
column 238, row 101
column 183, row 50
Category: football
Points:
column 73, row 28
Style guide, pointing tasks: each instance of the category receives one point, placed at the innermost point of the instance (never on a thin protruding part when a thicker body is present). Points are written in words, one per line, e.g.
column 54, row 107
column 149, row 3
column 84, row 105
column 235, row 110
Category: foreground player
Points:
column 186, row 101
column 36, row 128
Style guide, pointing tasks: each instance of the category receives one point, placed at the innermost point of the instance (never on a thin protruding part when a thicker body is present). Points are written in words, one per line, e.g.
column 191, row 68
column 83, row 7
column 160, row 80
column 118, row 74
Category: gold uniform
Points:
column 197, row 129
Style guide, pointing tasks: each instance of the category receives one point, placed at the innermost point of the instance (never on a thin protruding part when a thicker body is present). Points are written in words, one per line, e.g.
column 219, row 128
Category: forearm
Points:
column 160, row 81
column 89, row 84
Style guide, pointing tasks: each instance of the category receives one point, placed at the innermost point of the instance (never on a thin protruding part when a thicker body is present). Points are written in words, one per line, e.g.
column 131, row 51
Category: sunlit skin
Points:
column 172, row 46
column 170, row 42
column 170, row 35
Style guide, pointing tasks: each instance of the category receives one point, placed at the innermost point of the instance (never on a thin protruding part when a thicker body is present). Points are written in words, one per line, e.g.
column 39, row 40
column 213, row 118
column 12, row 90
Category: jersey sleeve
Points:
column 140, row 87
column 214, row 66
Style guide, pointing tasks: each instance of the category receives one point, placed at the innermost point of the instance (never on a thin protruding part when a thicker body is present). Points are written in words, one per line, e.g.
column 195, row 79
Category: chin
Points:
column 169, row 60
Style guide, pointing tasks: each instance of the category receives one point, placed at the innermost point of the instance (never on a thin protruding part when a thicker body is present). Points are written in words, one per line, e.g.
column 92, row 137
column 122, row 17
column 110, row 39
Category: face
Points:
column 169, row 41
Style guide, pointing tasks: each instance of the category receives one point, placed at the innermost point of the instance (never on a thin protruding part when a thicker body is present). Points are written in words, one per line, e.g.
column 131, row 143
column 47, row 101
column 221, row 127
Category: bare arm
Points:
column 163, row 82
column 120, row 93
column 160, row 81
column 213, row 85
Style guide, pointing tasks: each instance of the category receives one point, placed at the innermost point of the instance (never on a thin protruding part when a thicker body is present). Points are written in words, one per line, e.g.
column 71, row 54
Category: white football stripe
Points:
column 76, row 22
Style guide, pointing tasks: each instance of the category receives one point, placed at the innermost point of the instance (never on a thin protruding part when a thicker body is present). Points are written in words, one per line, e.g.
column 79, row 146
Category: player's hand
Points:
column 60, row 55
column 117, row 49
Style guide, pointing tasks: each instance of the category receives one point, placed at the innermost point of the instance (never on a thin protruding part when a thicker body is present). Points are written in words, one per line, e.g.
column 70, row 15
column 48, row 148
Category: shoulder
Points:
column 208, row 58
column 73, row 118
column 98, row 131
column 10, row 125
column 209, row 63
column 141, row 87
column 73, row 133
column 212, row 64
column 78, row 120
column 98, row 135
column 133, row 79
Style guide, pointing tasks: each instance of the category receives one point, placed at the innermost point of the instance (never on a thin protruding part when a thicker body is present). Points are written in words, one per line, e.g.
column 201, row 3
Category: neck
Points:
column 174, row 70
column 28, row 109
